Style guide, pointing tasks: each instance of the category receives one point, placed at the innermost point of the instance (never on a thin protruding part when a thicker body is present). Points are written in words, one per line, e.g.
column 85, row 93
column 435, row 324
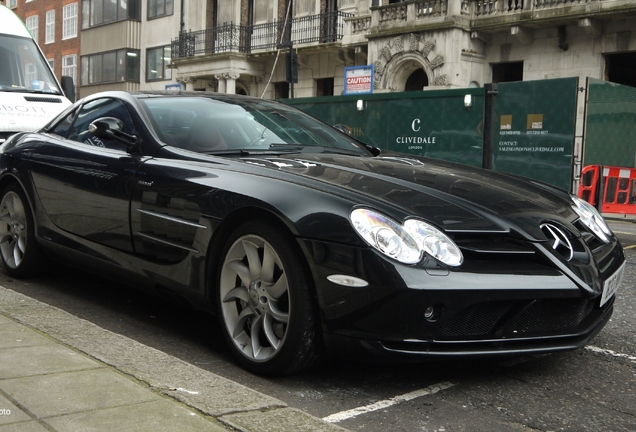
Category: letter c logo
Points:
column 415, row 125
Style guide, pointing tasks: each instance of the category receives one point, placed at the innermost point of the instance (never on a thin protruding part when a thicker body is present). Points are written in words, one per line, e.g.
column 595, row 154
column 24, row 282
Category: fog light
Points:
column 433, row 313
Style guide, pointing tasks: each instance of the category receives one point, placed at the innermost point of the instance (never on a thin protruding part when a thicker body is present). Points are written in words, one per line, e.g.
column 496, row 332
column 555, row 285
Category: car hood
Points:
column 456, row 197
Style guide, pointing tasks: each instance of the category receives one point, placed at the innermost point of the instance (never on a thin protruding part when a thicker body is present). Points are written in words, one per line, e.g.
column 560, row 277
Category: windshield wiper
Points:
column 314, row 149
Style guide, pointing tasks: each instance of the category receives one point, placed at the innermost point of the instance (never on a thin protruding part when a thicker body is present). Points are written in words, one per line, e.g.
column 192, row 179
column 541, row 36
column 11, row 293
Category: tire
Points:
column 18, row 249
column 267, row 303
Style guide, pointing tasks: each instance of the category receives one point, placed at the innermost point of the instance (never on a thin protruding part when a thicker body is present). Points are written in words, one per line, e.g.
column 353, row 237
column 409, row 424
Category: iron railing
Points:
column 322, row 28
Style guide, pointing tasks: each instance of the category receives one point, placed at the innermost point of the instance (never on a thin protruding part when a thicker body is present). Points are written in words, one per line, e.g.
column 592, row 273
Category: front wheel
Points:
column 266, row 302
column 18, row 249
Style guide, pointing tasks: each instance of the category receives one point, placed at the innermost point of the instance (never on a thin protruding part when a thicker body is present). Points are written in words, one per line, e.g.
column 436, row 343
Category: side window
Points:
column 93, row 110
column 62, row 127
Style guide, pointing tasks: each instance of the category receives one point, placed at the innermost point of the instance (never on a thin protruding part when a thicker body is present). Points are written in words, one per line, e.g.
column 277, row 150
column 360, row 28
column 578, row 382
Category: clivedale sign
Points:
column 415, row 142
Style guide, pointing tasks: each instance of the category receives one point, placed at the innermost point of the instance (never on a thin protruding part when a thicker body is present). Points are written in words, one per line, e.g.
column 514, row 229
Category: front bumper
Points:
column 484, row 309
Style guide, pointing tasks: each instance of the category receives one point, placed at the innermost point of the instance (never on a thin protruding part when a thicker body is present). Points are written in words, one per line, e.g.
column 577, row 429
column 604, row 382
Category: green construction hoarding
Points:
column 534, row 129
column 436, row 123
column 610, row 125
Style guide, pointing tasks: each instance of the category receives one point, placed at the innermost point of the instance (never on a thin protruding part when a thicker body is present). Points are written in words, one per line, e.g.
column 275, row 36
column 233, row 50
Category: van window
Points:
column 23, row 69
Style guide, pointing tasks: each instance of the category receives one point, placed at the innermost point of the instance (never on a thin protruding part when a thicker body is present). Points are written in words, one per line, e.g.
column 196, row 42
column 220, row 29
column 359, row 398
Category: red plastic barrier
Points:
column 619, row 188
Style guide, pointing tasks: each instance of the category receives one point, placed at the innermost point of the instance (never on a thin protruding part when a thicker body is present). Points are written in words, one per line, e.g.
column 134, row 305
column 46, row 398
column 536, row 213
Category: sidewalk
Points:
column 62, row 373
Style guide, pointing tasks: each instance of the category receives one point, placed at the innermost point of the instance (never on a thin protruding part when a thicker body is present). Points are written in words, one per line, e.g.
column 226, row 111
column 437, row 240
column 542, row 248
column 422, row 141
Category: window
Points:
column 157, row 60
column 281, row 90
column 69, row 66
column 49, row 32
column 32, row 25
column 30, row 73
column 99, row 12
column 507, row 72
column 324, row 87
column 159, row 8
column 112, row 66
column 13, row 4
column 69, row 21
column 51, row 63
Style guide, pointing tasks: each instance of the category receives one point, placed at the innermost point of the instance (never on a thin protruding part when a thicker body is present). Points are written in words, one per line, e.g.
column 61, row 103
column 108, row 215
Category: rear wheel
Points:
column 18, row 249
column 266, row 302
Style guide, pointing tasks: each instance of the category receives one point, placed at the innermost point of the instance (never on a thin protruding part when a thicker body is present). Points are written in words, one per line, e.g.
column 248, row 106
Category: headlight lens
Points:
column 591, row 218
column 434, row 242
column 406, row 243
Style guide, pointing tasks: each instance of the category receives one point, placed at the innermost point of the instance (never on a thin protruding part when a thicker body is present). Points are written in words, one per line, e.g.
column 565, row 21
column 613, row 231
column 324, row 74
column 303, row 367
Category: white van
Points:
column 30, row 95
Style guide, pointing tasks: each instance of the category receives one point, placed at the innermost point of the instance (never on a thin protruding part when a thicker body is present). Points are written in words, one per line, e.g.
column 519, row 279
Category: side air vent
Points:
column 43, row 99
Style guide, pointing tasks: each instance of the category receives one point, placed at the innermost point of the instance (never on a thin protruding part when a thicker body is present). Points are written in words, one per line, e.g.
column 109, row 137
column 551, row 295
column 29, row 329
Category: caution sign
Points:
column 358, row 80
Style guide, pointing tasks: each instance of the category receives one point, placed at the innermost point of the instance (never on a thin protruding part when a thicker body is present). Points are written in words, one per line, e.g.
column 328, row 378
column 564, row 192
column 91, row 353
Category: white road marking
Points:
column 344, row 415
column 611, row 353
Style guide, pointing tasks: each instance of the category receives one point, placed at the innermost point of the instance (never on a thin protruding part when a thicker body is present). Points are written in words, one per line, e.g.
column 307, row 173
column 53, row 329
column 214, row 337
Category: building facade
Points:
column 244, row 46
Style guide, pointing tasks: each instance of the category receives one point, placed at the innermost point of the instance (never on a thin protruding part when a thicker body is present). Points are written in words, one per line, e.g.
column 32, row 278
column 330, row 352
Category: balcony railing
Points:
column 322, row 28
column 486, row 8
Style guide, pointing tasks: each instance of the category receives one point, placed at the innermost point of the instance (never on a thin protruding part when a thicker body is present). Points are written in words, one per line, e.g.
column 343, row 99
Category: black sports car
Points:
column 302, row 239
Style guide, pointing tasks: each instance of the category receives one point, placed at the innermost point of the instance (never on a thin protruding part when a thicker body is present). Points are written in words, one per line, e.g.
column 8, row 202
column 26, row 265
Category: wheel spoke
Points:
column 279, row 288
column 18, row 209
column 269, row 263
column 269, row 331
column 6, row 238
column 276, row 313
column 257, row 326
column 253, row 260
column 240, row 324
column 17, row 254
column 242, row 271
column 238, row 293
column 5, row 216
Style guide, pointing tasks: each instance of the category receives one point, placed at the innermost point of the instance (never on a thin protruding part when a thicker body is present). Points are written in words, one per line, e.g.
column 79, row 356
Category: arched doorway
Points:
column 416, row 81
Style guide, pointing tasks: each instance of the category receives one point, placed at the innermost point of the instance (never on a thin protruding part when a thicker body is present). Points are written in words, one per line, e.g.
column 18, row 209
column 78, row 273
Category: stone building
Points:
column 241, row 46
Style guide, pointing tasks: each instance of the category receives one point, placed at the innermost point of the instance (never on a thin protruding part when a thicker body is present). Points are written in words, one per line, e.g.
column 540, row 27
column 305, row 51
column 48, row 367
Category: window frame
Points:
column 33, row 29
column 166, row 72
column 49, row 26
column 92, row 67
column 69, row 22
column 165, row 12
column 123, row 10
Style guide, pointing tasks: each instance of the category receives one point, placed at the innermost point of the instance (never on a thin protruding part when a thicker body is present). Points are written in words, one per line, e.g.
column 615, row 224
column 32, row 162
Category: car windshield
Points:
column 205, row 124
column 22, row 68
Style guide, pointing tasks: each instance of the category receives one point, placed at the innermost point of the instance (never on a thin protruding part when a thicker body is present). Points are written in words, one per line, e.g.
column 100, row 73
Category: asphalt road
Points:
column 588, row 390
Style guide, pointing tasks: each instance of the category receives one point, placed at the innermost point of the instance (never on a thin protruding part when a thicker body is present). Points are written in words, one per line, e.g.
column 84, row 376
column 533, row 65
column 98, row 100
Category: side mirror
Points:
column 68, row 87
column 112, row 128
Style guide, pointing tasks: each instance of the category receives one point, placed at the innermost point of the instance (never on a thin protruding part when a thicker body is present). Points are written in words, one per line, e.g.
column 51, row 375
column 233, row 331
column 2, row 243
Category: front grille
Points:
column 515, row 319
column 476, row 320
column 555, row 314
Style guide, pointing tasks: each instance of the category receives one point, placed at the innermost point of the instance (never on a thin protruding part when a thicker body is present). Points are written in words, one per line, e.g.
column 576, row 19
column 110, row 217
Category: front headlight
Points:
column 591, row 218
column 406, row 243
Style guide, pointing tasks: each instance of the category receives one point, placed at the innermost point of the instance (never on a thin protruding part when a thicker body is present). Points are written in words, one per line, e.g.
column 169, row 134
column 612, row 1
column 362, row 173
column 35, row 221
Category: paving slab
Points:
column 29, row 426
column 163, row 415
column 70, row 392
column 10, row 413
column 41, row 359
